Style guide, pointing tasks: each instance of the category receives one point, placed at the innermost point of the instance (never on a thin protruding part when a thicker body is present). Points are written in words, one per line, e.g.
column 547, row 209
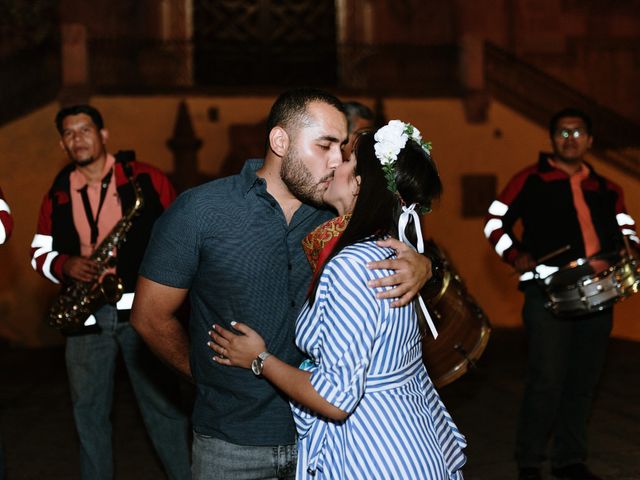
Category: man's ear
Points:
column 104, row 134
column 279, row 141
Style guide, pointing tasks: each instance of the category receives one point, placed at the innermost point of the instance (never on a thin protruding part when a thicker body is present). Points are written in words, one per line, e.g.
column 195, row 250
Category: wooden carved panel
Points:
column 265, row 42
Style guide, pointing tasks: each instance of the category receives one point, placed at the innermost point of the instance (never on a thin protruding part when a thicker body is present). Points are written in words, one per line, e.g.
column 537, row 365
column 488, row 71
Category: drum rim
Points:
column 476, row 352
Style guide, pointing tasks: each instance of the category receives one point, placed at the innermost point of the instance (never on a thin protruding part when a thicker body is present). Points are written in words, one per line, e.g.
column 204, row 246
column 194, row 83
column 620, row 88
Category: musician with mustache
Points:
column 86, row 202
column 568, row 211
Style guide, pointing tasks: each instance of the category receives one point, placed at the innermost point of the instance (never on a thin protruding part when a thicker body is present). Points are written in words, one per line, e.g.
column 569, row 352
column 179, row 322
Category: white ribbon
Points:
column 402, row 225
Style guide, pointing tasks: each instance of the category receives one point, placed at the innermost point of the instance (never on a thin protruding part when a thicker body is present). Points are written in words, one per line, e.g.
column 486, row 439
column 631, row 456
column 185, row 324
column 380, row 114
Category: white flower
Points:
column 393, row 137
column 390, row 139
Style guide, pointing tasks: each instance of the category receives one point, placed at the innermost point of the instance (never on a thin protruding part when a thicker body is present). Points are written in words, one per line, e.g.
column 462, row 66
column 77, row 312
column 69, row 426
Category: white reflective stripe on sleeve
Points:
column 498, row 208
column 624, row 219
column 504, row 243
column 91, row 320
column 545, row 270
column 125, row 302
column 42, row 243
column 526, row 276
column 634, row 238
column 542, row 270
column 628, row 231
column 4, row 206
column 3, row 234
column 491, row 226
column 46, row 266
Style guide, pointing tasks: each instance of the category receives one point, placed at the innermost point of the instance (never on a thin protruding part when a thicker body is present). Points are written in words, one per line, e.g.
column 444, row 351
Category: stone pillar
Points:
column 185, row 145
column 170, row 61
column 472, row 79
column 75, row 64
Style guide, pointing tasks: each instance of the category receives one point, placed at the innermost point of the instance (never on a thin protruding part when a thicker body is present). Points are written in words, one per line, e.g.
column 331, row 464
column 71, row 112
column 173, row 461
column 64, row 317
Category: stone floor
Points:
column 40, row 442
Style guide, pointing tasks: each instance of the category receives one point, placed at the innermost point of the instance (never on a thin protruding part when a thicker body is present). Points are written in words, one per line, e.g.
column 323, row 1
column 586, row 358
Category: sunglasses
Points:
column 570, row 133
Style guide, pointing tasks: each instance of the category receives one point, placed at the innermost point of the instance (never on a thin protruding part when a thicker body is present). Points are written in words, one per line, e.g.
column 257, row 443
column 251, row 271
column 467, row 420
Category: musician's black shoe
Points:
column 529, row 474
column 577, row 471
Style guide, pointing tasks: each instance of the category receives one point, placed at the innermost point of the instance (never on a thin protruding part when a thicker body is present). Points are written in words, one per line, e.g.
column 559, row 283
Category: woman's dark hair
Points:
column 377, row 209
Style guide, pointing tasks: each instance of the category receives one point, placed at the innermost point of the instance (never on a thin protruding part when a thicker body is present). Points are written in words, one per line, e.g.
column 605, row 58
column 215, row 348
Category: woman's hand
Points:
column 236, row 350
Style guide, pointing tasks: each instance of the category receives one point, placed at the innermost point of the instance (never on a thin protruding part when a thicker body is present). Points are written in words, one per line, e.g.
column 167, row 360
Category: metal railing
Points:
column 538, row 96
column 134, row 65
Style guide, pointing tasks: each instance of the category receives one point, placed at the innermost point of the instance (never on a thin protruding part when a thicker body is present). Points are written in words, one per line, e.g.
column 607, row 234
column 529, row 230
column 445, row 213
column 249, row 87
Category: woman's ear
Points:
column 278, row 141
column 358, row 179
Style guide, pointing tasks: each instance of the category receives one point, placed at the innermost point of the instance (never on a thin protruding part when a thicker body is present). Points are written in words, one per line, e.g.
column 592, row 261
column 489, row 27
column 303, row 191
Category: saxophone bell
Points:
column 111, row 288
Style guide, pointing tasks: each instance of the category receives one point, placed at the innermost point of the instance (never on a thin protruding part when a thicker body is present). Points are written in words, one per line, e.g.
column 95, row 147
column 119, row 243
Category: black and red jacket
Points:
column 540, row 196
column 6, row 220
column 56, row 238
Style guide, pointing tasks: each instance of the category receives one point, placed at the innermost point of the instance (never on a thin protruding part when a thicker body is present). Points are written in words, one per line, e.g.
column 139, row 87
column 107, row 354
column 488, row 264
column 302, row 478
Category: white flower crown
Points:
column 392, row 138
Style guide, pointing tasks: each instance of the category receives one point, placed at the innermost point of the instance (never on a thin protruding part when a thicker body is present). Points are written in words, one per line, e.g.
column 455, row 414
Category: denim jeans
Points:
column 215, row 459
column 565, row 359
column 91, row 362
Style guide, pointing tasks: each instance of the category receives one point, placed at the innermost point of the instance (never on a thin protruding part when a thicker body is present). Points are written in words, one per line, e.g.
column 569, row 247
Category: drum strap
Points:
column 410, row 213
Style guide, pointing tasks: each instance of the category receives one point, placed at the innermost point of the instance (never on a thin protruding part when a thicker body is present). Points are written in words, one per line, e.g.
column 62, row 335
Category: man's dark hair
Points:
column 355, row 110
column 569, row 112
column 96, row 118
column 290, row 107
column 377, row 209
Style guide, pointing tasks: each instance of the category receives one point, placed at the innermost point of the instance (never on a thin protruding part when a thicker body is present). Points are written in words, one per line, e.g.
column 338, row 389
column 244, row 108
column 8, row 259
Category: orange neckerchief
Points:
column 589, row 235
column 320, row 242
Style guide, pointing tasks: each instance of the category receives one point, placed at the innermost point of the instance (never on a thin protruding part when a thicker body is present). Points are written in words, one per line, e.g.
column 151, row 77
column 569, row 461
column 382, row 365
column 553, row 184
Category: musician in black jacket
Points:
column 85, row 205
column 568, row 212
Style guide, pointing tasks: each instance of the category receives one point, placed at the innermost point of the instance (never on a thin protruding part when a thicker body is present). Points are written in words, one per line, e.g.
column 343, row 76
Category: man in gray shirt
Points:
column 234, row 246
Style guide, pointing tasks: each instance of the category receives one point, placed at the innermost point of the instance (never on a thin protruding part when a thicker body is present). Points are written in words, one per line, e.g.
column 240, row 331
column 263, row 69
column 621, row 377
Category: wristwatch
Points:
column 258, row 363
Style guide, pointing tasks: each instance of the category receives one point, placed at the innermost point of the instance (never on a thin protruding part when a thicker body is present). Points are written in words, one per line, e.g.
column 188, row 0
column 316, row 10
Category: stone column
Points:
column 185, row 145
column 75, row 64
column 472, row 78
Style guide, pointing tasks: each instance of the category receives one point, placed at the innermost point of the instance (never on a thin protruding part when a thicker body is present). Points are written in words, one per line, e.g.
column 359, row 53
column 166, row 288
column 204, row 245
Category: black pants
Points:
column 565, row 359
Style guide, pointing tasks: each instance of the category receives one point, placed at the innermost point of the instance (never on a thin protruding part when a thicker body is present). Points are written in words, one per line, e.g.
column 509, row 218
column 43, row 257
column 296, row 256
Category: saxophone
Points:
column 78, row 299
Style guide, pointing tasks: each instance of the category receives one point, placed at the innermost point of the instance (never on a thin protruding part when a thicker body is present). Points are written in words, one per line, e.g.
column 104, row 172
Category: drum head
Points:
column 581, row 270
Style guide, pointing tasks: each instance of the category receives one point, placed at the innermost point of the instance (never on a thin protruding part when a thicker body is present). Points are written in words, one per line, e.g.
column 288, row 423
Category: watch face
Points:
column 256, row 366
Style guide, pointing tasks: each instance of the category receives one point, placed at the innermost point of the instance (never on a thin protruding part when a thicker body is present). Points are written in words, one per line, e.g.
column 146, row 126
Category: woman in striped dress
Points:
column 364, row 405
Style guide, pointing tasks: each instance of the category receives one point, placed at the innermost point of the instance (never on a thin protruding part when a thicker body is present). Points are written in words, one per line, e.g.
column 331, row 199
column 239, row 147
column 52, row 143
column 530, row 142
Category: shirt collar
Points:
column 545, row 164
column 250, row 180
column 249, row 177
column 78, row 180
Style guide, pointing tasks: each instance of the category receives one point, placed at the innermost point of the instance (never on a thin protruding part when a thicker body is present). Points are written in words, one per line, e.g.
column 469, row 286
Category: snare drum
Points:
column 627, row 273
column 591, row 284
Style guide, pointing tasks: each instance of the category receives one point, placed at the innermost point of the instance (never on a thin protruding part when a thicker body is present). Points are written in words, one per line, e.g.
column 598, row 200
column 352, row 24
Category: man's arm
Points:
column 153, row 317
column 412, row 271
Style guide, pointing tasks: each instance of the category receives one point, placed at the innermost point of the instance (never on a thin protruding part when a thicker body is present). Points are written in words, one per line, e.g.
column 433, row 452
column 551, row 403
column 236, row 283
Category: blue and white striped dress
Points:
column 365, row 359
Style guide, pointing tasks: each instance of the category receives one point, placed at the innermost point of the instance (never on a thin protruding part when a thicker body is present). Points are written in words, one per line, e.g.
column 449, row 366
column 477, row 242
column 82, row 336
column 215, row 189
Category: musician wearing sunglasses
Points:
column 574, row 223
